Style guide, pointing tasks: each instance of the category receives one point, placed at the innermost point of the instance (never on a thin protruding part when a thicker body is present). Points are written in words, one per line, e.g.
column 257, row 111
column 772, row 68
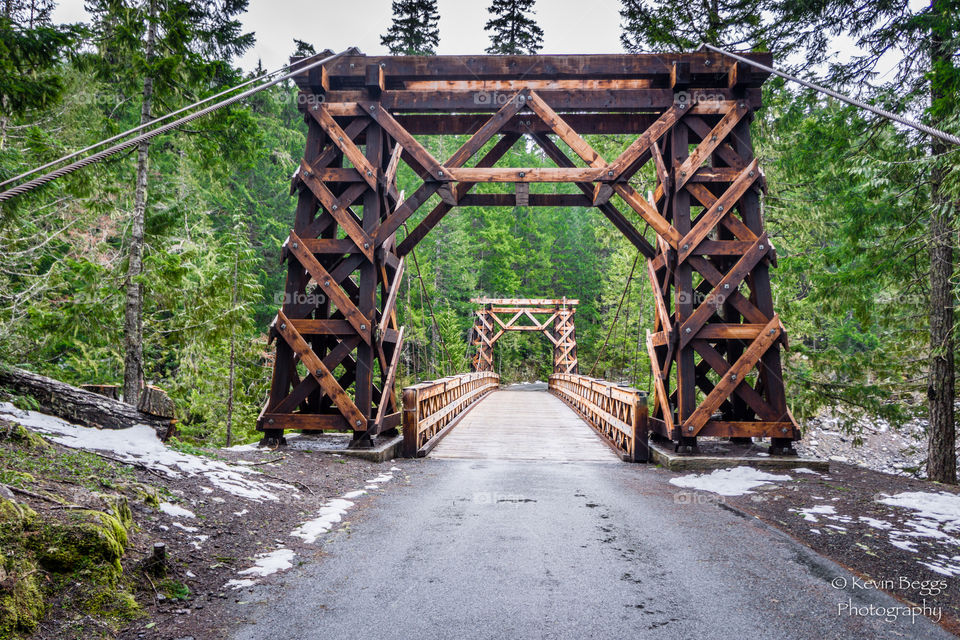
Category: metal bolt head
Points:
column 326, row 283
column 522, row 174
column 363, row 327
column 752, row 173
column 369, row 173
column 283, row 326
column 726, row 286
column 720, row 208
column 319, row 372
column 373, row 107
column 340, row 138
column 683, row 174
column 335, row 207
column 690, row 429
column 366, row 245
column 610, row 173
column 295, row 245
column 358, row 423
column 761, row 247
column 270, row 421
column 784, row 430
column 686, row 246
column 733, row 376
column 687, row 330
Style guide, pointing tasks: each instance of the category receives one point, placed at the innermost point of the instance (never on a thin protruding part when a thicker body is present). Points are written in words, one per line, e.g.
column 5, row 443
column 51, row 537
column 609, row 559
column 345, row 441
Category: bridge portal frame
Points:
column 715, row 344
column 558, row 327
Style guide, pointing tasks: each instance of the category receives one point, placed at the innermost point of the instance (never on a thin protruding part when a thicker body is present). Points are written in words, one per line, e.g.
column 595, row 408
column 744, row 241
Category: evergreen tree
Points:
column 414, row 31
column 514, row 31
column 169, row 45
column 759, row 25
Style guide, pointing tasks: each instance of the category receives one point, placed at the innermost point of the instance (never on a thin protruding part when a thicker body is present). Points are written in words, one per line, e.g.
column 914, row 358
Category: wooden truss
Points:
column 715, row 347
column 496, row 316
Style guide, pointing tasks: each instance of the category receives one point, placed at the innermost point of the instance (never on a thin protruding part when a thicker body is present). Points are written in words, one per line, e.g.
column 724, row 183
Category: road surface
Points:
column 486, row 548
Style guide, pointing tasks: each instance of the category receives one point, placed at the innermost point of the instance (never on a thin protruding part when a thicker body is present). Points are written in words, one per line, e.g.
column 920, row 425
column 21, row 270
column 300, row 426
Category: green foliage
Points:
column 514, row 31
column 414, row 30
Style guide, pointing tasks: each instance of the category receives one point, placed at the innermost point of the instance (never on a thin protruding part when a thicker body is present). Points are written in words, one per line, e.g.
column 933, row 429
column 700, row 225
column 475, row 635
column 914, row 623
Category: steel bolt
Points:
column 686, row 246
column 369, row 173
column 733, row 376
column 761, row 247
column 726, row 286
column 751, row 173
column 687, row 330
column 720, row 208
column 784, row 430
column 270, row 421
column 363, row 327
column 340, row 138
column 690, row 429
column 335, row 207
column 366, row 245
column 610, row 173
column 326, row 283
column 295, row 245
column 358, row 423
column 522, row 174
column 319, row 372
column 283, row 326
column 373, row 107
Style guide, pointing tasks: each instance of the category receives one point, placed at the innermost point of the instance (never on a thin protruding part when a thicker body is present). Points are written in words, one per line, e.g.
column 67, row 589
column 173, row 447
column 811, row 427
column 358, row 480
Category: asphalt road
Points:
column 516, row 549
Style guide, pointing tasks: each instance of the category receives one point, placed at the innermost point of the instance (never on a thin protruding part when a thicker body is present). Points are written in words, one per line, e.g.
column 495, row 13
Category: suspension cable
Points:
column 615, row 316
column 106, row 153
column 426, row 294
column 937, row 133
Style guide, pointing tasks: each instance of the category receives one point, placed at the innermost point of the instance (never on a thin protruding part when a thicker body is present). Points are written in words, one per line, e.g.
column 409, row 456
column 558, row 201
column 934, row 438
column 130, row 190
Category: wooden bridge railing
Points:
column 618, row 413
column 430, row 408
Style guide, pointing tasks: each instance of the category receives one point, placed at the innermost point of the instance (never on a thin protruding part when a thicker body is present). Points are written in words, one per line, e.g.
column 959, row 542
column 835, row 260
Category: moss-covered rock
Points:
column 22, row 436
column 21, row 599
column 84, row 539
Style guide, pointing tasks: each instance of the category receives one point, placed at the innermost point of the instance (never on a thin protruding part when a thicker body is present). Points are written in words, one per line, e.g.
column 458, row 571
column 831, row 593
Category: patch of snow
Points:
column 810, row 514
column 933, row 509
column 267, row 564
column 207, row 490
column 354, row 494
column 371, row 486
column 139, row 444
column 242, row 512
column 839, row 458
column 330, row 514
column 944, row 565
column 239, row 584
column 804, row 470
column 218, row 499
column 199, row 540
column 185, row 527
column 876, row 524
column 176, row 511
column 395, row 469
column 383, row 477
column 728, row 482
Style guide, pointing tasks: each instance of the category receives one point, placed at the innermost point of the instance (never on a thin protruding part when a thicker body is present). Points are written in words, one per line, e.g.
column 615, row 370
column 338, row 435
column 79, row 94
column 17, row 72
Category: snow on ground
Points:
column 329, row 514
column 176, row 511
column 267, row 564
column 728, row 482
column 936, row 516
column 139, row 444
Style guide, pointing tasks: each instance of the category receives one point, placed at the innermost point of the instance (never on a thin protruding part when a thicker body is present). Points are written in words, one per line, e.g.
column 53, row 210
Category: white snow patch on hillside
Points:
column 728, row 482
column 330, row 514
column 139, row 444
column 176, row 511
column 267, row 564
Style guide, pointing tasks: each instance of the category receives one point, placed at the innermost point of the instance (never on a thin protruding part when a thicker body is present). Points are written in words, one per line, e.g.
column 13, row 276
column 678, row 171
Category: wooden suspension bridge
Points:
column 716, row 339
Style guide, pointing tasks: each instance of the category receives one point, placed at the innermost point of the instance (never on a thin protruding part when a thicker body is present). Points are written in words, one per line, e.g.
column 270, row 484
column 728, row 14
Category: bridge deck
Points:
column 524, row 425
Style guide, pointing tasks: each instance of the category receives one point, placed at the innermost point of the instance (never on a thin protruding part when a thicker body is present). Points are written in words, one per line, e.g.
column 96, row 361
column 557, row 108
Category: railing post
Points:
column 641, row 427
column 411, row 418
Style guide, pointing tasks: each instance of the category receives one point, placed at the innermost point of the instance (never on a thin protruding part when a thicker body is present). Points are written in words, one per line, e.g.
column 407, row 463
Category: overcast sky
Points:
column 569, row 26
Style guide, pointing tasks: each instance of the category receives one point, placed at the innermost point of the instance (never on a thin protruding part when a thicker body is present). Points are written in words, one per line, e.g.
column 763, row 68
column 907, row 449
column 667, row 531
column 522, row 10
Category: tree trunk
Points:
column 83, row 407
column 942, row 457
column 233, row 306
column 133, row 310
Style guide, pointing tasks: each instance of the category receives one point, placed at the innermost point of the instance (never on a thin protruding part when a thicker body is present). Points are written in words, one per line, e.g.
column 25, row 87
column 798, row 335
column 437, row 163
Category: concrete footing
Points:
column 665, row 457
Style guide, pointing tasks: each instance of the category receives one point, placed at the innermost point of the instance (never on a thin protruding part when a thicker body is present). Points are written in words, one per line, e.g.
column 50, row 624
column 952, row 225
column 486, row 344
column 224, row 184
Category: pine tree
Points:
column 514, row 31
column 761, row 25
column 169, row 45
column 414, row 31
